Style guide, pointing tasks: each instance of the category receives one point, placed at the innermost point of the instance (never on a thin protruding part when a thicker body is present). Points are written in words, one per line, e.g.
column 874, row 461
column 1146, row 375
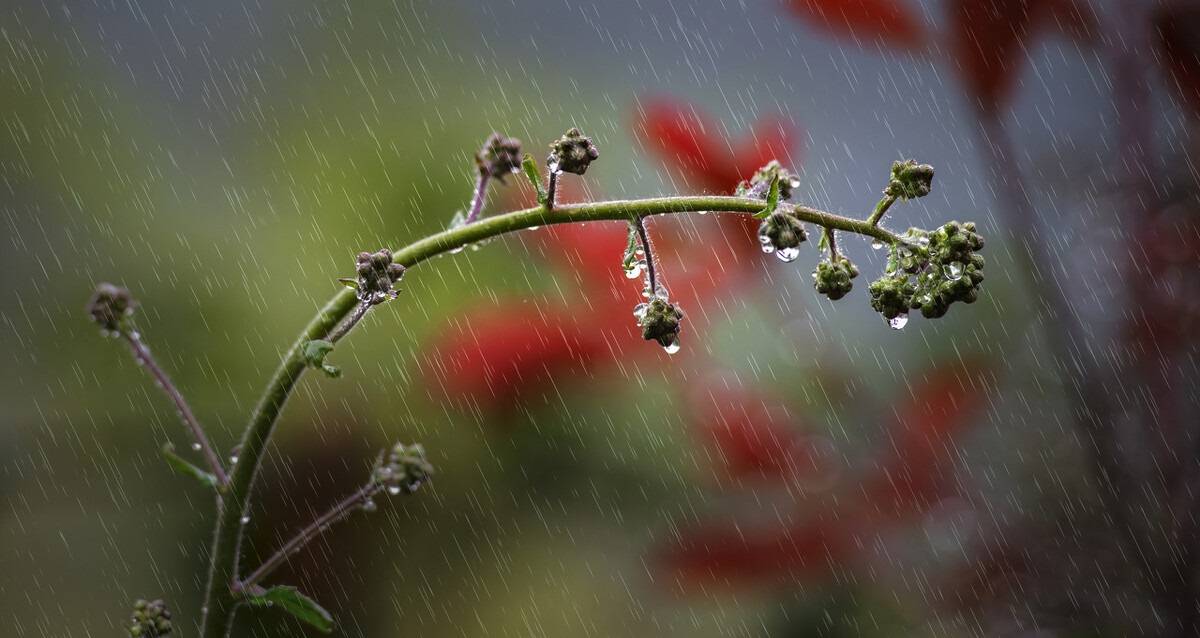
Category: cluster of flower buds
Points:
column 499, row 157
column 572, row 153
column 935, row 270
column 659, row 320
column 151, row 619
column 377, row 276
column 781, row 233
column 910, row 180
column 832, row 278
column 403, row 470
column 760, row 184
column 111, row 307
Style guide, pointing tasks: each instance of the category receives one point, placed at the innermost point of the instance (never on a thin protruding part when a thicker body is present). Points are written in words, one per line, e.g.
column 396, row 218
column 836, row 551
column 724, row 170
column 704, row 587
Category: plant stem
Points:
column 221, row 600
column 645, row 239
column 477, row 199
column 552, row 190
column 881, row 208
column 335, row 514
column 831, row 242
column 143, row 355
column 344, row 328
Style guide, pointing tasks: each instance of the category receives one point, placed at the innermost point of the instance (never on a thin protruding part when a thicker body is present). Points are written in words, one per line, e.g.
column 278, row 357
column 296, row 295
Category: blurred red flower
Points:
column 907, row 482
column 1178, row 29
column 891, row 21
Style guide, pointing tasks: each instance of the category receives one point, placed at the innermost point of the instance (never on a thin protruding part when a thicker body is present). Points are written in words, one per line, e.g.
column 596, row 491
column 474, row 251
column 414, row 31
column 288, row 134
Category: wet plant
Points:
column 926, row 270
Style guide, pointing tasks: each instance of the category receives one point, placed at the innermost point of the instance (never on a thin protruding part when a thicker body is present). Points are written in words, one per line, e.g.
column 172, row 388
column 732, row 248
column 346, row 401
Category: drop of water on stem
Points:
column 876, row 244
column 787, row 255
column 899, row 321
column 673, row 347
column 196, row 446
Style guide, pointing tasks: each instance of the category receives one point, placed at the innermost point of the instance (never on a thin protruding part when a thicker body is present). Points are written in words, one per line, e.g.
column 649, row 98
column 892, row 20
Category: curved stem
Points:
column 477, row 199
column 221, row 599
column 881, row 208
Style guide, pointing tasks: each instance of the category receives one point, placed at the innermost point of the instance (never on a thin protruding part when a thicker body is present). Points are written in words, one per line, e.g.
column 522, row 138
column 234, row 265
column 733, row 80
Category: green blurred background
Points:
column 227, row 160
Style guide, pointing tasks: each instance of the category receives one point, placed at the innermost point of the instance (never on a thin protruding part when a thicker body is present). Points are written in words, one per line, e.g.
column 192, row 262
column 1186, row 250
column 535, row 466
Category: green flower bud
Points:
column 910, row 180
column 572, row 153
column 150, row 619
column 891, row 295
column 111, row 307
column 760, row 183
column 659, row 320
column 834, row 279
column 404, row 469
column 500, row 156
column 783, row 233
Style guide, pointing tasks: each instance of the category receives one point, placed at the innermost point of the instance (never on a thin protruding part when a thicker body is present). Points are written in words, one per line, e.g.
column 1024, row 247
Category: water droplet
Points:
column 245, row 519
column 787, row 255
column 233, row 460
column 534, row 227
column 393, row 489
column 768, row 248
column 876, row 244
column 702, row 212
column 953, row 270
column 634, row 271
column 764, row 238
column 196, row 446
column 639, row 310
column 673, row 347
column 369, row 506
column 899, row 321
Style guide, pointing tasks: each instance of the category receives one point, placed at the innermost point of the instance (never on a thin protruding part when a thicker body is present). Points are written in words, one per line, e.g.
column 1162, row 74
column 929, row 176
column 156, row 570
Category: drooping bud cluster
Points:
column 934, row 271
column 151, row 619
column 760, row 183
column 500, row 156
column 833, row 278
column 404, row 469
column 782, row 234
column 572, row 153
column 659, row 320
column 377, row 276
column 910, row 180
column 111, row 307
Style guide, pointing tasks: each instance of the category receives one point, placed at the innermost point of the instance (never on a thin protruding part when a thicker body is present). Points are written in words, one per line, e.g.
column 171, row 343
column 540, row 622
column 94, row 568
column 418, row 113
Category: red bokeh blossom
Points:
column 1177, row 25
column 910, row 477
column 891, row 21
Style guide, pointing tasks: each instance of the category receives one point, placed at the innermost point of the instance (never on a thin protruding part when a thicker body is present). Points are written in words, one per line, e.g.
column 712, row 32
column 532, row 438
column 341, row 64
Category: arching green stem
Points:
column 220, row 600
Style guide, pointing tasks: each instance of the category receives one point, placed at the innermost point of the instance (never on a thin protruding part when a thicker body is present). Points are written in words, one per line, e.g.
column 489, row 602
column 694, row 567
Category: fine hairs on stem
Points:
column 926, row 270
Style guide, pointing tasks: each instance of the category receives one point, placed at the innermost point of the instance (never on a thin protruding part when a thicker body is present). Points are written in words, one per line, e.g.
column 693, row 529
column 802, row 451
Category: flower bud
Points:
column 659, row 321
column 781, row 231
column 891, row 295
column 404, row 469
column 150, row 619
column 572, row 153
column 111, row 307
column 760, row 183
column 500, row 156
column 377, row 276
column 832, row 279
column 910, row 180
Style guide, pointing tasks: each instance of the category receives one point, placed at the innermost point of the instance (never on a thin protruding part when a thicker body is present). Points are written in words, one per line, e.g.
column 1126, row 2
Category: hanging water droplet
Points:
column 673, row 347
column 899, row 321
column 764, row 238
column 534, row 227
column 787, row 255
column 196, row 446
column 953, row 270
column 245, row 519
column 393, row 489
column 702, row 212
column 233, row 460
column 634, row 270
column 639, row 310
column 877, row 244
column 369, row 505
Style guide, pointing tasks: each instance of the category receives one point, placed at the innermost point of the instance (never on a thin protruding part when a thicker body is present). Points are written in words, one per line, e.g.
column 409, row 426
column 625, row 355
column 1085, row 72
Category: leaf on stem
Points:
column 530, row 166
column 348, row 282
column 295, row 603
column 314, row 357
column 181, row 465
column 772, row 199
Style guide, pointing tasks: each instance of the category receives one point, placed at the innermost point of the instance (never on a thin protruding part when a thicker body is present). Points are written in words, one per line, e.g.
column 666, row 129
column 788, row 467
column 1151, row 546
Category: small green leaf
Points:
column 181, row 465
column 348, row 282
column 292, row 601
column 532, row 172
column 314, row 357
column 772, row 198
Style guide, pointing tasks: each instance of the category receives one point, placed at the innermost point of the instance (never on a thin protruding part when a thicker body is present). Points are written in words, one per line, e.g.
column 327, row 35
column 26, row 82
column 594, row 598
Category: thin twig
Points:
column 344, row 328
column 831, row 242
column 142, row 353
column 477, row 199
column 645, row 239
column 335, row 514
column 881, row 208
column 552, row 190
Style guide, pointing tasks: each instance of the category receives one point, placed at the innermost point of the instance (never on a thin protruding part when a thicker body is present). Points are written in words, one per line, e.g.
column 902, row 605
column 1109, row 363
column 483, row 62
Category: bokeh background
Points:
column 1024, row 466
